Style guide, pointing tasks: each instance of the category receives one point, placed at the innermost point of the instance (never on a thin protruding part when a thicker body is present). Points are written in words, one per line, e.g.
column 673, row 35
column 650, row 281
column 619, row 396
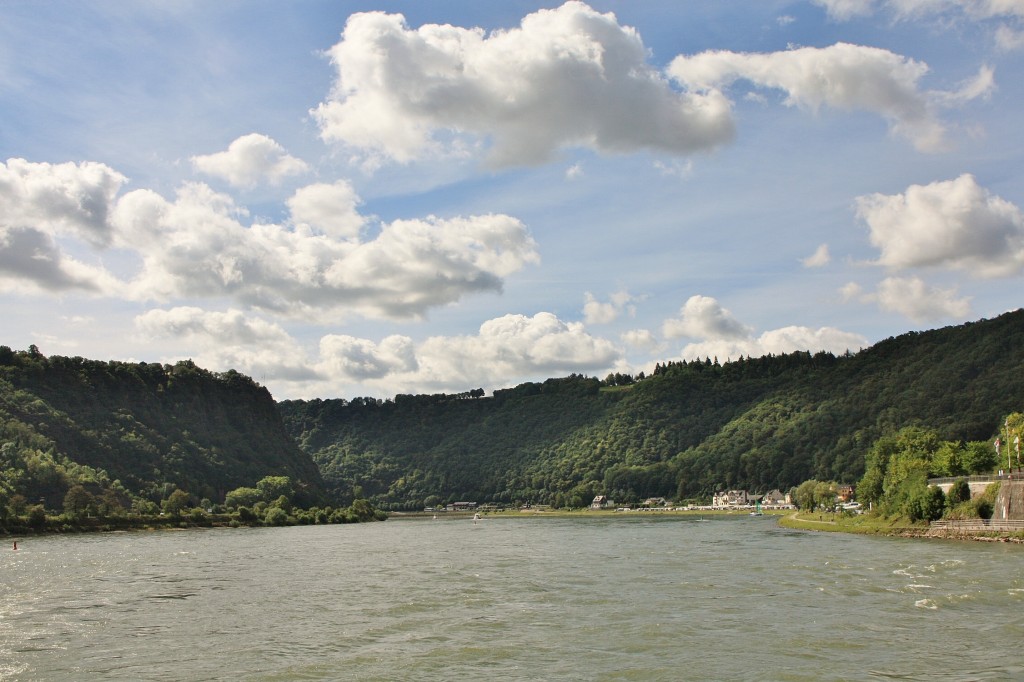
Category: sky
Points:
column 347, row 199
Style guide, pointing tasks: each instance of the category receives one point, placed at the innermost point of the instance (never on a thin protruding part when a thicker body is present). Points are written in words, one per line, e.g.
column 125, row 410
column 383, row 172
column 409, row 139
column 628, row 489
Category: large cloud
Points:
column 250, row 160
column 230, row 340
column 515, row 346
column 842, row 76
column 42, row 203
column 65, row 198
column 920, row 302
column 704, row 317
column 31, row 260
column 566, row 77
column 503, row 352
column 200, row 246
column 196, row 246
column 951, row 224
column 351, row 359
column 329, row 208
column 912, row 297
column 721, row 335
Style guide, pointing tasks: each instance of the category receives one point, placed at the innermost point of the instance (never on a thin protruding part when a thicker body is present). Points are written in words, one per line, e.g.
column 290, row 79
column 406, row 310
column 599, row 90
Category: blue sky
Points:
column 362, row 199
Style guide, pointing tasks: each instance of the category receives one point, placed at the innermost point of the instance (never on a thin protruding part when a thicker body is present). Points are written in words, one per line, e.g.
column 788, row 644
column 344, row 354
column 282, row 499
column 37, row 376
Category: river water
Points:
column 610, row 598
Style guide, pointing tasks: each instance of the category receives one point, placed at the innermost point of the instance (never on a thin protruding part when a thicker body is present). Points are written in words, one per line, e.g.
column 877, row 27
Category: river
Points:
column 609, row 598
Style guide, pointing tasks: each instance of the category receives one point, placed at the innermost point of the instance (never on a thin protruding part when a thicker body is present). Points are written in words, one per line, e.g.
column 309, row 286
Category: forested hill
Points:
column 138, row 431
column 691, row 428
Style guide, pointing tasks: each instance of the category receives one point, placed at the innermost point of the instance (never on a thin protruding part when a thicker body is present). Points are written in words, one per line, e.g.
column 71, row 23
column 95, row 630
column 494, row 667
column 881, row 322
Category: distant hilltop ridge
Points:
column 686, row 431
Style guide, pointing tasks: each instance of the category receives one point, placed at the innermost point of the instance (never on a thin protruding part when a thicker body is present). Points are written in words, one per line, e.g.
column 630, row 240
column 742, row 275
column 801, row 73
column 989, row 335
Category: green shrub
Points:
column 276, row 517
column 245, row 514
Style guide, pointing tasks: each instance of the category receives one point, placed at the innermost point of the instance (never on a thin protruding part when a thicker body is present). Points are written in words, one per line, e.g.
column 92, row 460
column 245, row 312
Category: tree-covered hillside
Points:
column 688, row 429
column 138, row 431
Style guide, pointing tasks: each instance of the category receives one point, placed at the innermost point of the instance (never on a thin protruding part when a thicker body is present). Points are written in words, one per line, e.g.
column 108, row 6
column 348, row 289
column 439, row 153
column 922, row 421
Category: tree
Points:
column 927, row 504
column 243, row 497
column 273, row 487
column 17, row 504
column 37, row 516
column 109, row 503
column 804, row 495
column 77, row 502
column 979, row 457
column 959, row 492
column 176, row 503
column 276, row 517
column 948, row 460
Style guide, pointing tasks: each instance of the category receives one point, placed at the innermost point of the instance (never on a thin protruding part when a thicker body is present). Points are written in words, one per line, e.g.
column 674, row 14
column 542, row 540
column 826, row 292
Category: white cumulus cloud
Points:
column 352, row 359
column 600, row 312
column 196, row 246
column 513, row 346
column 704, row 317
column 229, row 340
column 911, row 297
column 920, row 302
column 641, row 339
column 329, row 208
column 841, row 76
column 721, row 335
column 203, row 245
column 954, row 224
column 250, row 160
column 504, row 350
column 43, row 205
column 59, row 199
column 566, row 77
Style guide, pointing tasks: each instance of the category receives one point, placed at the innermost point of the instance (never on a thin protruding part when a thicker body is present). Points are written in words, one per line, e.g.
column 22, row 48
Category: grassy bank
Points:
column 864, row 524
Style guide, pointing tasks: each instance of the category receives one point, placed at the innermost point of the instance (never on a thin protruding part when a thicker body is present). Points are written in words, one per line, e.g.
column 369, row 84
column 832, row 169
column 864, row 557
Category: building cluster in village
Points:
column 724, row 500
column 730, row 499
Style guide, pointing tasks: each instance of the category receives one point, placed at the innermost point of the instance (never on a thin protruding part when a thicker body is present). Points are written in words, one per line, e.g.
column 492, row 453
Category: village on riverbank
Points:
column 845, row 514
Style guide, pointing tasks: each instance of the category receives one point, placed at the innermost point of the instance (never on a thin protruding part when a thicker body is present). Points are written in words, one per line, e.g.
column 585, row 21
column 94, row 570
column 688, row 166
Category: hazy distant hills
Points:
column 687, row 430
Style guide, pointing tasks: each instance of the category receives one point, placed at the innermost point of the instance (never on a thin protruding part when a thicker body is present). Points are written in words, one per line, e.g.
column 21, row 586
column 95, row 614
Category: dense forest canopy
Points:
column 128, row 433
column 138, row 431
column 685, row 431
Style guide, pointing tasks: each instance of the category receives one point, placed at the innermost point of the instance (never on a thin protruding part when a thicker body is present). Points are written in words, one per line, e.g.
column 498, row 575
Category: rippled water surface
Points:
column 622, row 598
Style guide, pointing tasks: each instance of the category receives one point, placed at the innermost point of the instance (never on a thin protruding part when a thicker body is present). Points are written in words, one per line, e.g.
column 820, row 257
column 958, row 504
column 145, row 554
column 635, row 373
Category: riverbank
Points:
column 866, row 524
column 62, row 524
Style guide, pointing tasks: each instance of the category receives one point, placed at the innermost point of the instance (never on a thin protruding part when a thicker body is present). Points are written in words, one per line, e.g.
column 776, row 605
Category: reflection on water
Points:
column 623, row 598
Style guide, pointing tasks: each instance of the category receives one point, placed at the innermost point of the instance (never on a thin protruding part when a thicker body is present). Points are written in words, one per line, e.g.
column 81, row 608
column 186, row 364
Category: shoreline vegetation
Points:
column 45, row 524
